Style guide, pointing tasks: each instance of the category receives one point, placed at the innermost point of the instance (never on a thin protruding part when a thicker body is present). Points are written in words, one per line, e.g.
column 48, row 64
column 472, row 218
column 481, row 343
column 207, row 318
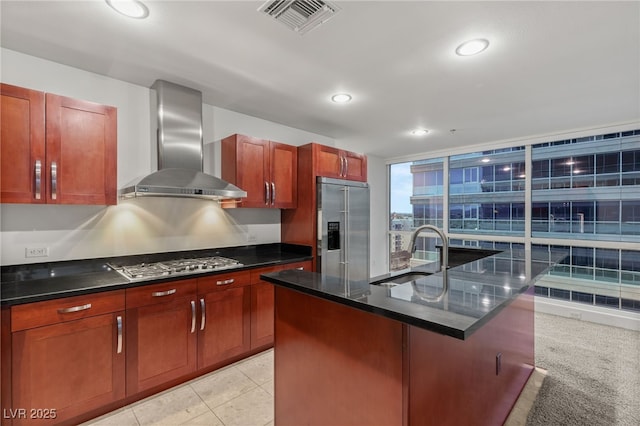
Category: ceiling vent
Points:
column 300, row 15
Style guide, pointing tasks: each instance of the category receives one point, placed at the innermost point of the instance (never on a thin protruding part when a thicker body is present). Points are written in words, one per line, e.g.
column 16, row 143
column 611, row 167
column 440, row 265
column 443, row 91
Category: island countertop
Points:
column 477, row 291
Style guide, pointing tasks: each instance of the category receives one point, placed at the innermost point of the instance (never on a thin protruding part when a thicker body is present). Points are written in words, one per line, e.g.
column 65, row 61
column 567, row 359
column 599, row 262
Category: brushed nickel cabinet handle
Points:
column 301, row 268
column 193, row 316
column 163, row 293
column 74, row 309
column 203, row 318
column 119, row 325
column 267, row 197
column 273, row 193
column 54, row 180
column 226, row 282
column 38, row 179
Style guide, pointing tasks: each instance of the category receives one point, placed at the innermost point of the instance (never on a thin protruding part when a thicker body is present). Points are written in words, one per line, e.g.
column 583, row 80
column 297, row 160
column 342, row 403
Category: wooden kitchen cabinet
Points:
column 262, row 304
column 225, row 317
column 266, row 170
column 299, row 225
column 57, row 150
column 22, row 146
column 161, row 333
column 57, row 347
column 340, row 164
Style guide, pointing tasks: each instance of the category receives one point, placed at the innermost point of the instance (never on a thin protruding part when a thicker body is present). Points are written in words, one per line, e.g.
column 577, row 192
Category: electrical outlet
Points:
column 36, row 252
column 251, row 238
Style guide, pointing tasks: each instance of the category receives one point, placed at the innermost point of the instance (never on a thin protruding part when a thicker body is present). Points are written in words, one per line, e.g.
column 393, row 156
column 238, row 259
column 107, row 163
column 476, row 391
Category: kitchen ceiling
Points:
column 551, row 67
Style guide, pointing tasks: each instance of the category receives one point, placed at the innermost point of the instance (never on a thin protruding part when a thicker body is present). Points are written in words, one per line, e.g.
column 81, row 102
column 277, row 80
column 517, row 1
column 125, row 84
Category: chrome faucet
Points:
column 444, row 254
column 444, row 264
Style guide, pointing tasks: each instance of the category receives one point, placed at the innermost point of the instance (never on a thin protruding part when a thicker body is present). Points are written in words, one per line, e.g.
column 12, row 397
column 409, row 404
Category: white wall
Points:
column 134, row 226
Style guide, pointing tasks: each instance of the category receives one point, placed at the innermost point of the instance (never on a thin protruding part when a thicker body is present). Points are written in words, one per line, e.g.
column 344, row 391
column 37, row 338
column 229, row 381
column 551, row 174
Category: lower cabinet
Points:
column 262, row 304
column 56, row 348
column 161, row 334
column 70, row 357
column 225, row 309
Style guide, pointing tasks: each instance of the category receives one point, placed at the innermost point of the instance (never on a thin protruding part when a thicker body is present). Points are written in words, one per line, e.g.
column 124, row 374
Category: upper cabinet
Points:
column 340, row 164
column 56, row 150
column 266, row 170
column 22, row 152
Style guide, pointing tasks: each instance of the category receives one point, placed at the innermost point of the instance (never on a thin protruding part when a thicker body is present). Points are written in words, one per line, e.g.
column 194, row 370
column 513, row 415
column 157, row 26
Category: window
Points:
column 583, row 191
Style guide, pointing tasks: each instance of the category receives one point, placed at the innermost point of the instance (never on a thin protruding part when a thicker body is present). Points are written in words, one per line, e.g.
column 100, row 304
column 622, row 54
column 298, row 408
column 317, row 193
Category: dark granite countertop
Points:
column 44, row 281
column 477, row 291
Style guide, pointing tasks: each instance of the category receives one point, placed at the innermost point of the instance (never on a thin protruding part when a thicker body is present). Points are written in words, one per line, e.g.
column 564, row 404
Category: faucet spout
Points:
column 444, row 258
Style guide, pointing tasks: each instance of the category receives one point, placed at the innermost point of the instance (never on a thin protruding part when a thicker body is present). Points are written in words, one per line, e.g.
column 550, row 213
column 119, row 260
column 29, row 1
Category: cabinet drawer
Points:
column 37, row 314
column 223, row 281
column 160, row 293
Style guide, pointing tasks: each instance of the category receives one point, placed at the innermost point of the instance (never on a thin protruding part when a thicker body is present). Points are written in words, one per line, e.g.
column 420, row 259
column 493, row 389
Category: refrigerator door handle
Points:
column 346, row 233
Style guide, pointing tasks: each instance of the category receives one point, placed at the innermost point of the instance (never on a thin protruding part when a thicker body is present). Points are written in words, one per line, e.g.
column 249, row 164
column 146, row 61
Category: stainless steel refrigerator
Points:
column 343, row 229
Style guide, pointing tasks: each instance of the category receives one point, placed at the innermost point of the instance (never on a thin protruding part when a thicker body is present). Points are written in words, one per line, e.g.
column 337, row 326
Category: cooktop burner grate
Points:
column 143, row 271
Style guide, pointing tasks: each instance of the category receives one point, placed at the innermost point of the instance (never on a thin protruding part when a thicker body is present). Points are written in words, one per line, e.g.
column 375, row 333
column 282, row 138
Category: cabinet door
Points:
column 355, row 166
column 262, row 304
column 224, row 327
column 22, row 146
column 329, row 162
column 81, row 151
column 161, row 343
column 251, row 164
column 70, row 367
column 284, row 175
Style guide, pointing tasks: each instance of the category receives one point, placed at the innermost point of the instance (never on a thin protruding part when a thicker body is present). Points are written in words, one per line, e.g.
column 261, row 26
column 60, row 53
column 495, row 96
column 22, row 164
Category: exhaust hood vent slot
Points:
column 300, row 15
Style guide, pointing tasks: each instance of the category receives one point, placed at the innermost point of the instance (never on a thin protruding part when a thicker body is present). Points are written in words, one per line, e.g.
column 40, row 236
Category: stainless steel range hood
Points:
column 180, row 150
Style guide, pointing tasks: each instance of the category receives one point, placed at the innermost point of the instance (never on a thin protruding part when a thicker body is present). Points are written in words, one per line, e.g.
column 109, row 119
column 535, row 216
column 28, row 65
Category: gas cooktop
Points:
column 178, row 267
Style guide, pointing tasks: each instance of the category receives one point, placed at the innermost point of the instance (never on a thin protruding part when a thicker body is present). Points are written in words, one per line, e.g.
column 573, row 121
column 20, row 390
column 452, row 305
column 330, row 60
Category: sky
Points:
column 401, row 188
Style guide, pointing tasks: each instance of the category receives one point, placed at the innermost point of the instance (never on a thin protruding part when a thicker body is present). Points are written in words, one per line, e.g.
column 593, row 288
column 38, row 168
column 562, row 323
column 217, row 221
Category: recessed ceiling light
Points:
column 341, row 98
column 131, row 8
column 472, row 47
column 419, row 132
column 485, row 160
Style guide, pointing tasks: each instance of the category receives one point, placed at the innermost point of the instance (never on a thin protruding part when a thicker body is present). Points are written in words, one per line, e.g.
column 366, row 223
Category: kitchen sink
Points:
column 457, row 256
column 401, row 279
column 461, row 255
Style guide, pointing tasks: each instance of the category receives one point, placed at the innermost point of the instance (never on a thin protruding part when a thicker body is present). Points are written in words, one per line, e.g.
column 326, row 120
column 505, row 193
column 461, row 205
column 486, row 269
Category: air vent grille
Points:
column 300, row 15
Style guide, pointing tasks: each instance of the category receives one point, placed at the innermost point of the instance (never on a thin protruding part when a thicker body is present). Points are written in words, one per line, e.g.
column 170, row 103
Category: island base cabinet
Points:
column 335, row 365
column 462, row 381
column 225, row 326
column 64, row 370
column 338, row 365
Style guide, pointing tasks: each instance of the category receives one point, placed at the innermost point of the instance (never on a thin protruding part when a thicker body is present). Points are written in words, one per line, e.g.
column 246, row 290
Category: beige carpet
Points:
column 593, row 374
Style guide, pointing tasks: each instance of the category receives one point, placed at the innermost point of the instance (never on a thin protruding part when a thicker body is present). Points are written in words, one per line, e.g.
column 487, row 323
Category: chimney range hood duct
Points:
column 180, row 151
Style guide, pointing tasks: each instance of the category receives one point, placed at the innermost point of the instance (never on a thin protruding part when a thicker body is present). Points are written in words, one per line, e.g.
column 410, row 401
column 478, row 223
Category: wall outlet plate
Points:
column 36, row 252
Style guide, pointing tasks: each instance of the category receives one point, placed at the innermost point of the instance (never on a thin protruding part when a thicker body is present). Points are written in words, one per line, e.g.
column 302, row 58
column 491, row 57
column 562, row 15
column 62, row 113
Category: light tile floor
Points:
column 240, row 394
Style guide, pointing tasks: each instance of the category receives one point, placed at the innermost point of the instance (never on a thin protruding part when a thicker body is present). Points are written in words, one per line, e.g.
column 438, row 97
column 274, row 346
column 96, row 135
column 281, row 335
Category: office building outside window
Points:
column 584, row 198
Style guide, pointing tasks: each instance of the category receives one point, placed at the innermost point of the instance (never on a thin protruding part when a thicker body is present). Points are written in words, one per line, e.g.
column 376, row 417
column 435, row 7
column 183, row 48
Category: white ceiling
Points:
column 551, row 67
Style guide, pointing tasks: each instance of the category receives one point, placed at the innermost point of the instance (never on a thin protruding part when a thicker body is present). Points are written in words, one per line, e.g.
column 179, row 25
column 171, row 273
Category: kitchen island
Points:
column 355, row 353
